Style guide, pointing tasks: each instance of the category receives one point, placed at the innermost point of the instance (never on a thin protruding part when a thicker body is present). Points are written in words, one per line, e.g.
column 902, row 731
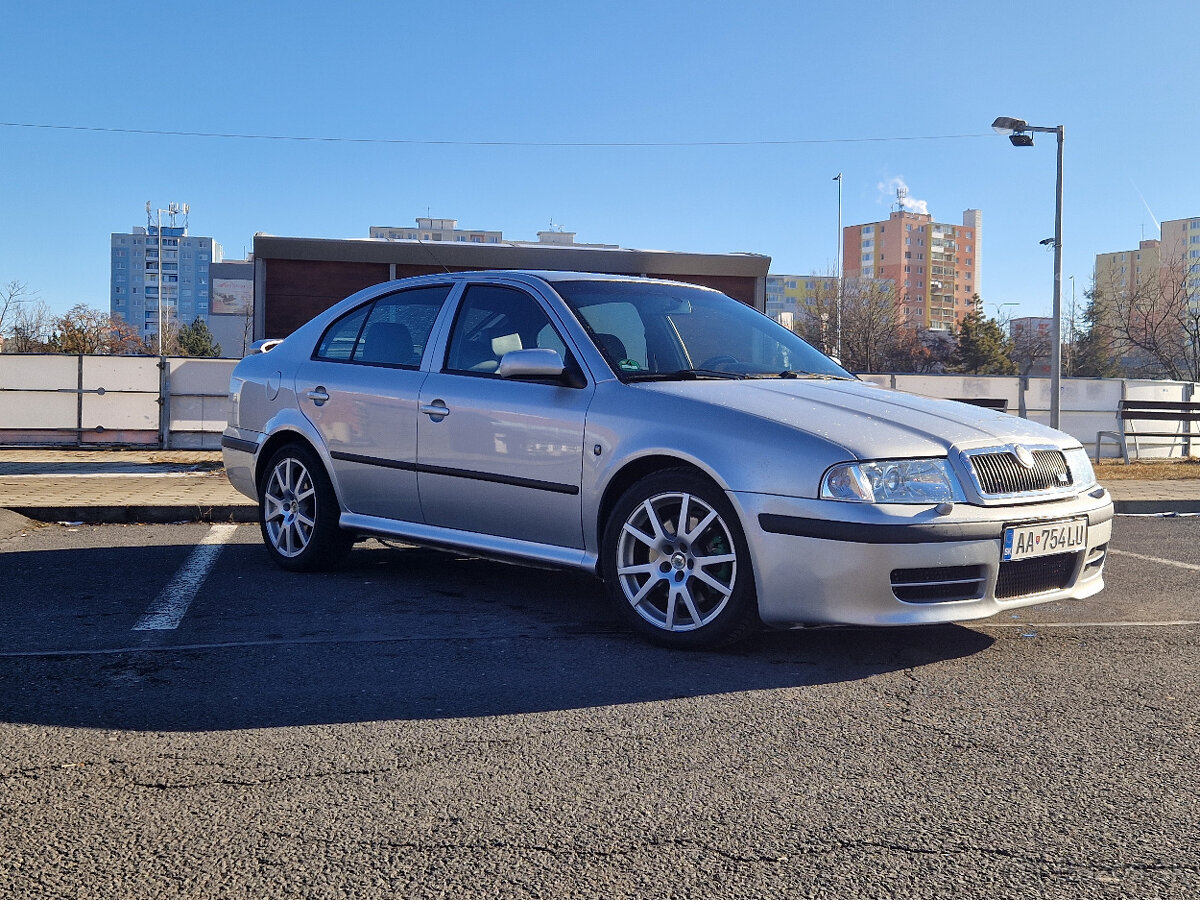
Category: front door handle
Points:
column 317, row 395
column 437, row 410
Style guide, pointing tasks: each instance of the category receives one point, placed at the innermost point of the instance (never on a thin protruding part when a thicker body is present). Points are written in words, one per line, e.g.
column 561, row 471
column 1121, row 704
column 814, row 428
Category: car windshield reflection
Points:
column 653, row 331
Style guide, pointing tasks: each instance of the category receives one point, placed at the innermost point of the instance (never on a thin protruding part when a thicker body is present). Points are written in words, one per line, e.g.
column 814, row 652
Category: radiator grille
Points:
column 939, row 584
column 1000, row 474
column 1027, row 577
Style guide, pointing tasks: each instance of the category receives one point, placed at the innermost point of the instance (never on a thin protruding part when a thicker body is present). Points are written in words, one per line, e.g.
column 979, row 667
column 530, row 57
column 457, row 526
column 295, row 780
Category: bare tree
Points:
column 1031, row 343
column 923, row 351
column 816, row 318
column 13, row 296
column 1154, row 321
column 871, row 324
column 86, row 330
column 871, row 330
column 30, row 329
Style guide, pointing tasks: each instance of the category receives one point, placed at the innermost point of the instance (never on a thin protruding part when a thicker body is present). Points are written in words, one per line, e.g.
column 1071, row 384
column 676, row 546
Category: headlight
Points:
column 892, row 481
column 1083, row 476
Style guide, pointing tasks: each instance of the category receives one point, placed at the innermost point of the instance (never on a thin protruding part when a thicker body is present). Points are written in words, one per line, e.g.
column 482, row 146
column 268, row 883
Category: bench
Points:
column 1180, row 412
column 999, row 404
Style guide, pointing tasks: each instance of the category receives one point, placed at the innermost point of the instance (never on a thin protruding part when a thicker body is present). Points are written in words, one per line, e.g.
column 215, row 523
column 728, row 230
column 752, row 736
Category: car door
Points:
column 499, row 456
column 360, row 390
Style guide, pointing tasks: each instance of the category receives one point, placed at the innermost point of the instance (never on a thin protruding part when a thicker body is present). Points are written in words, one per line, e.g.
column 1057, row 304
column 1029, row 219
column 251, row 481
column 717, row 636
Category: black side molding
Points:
column 238, row 444
column 552, row 487
column 859, row 533
column 922, row 533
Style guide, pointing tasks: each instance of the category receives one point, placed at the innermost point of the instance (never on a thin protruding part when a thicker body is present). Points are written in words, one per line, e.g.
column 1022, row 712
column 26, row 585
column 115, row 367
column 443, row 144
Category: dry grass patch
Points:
column 1148, row 470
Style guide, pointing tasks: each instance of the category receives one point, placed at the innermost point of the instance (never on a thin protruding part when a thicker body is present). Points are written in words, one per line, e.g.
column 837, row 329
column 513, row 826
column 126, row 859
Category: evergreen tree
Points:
column 197, row 340
column 1091, row 353
column 982, row 347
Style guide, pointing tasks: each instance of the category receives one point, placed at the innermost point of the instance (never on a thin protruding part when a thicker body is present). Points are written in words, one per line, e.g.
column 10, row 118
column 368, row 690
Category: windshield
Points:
column 651, row 331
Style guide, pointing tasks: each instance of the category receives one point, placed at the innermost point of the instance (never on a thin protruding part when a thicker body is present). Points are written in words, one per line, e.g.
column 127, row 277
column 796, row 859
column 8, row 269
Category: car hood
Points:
column 869, row 422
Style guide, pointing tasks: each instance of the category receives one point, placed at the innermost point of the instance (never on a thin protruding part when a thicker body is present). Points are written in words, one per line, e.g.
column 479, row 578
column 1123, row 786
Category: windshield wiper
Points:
column 684, row 375
column 819, row 376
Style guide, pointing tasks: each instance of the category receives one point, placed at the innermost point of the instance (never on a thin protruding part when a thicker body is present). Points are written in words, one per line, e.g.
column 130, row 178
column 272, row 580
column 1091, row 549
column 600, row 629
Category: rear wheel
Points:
column 677, row 564
column 298, row 512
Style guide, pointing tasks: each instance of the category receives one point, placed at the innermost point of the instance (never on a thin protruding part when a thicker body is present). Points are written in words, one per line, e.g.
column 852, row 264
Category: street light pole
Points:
column 1056, row 325
column 1019, row 132
column 840, row 288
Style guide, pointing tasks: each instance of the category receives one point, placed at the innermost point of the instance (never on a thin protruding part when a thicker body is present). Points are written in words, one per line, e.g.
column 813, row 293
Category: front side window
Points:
column 493, row 320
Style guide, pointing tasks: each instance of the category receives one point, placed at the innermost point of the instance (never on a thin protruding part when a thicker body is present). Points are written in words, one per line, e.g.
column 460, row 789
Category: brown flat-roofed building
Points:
column 297, row 278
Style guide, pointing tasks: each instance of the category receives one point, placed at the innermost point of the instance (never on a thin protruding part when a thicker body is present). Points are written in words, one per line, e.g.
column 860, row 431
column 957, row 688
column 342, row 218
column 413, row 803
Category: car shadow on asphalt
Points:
column 406, row 634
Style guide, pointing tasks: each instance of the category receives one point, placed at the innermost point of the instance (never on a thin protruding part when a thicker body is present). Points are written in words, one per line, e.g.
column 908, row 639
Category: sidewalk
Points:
column 120, row 486
column 190, row 486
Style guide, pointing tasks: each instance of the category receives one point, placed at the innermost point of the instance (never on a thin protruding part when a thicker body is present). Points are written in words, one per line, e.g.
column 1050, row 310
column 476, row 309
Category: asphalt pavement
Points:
column 429, row 725
column 161, row 486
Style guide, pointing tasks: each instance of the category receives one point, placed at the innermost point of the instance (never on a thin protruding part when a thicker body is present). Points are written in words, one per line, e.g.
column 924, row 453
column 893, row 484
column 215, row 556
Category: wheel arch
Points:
column 272, row 445
column 634, row 471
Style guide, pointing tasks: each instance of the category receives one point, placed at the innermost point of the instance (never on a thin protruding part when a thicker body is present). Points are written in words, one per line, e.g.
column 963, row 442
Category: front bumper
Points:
column 818, row 562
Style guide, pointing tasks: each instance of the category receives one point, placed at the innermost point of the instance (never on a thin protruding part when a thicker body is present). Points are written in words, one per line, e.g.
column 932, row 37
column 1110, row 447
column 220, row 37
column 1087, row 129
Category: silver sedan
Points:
column 712, row 468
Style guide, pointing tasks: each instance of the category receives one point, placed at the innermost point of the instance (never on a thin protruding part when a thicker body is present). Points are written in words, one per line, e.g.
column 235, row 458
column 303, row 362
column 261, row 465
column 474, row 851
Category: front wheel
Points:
column 677, row 564
column 298, row 512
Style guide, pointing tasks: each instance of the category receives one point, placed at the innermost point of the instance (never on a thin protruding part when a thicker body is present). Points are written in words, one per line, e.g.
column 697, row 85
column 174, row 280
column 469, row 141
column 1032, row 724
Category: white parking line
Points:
column 167, row 610
column 1156, row 559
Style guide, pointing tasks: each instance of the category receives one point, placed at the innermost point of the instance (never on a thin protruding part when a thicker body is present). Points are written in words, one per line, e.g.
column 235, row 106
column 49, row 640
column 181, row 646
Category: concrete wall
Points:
column 105, row 400
column 1087, row 405
column 77, row 401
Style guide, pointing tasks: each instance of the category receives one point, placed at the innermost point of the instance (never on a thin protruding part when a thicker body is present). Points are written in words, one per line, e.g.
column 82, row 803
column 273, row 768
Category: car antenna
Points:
column 433, row 256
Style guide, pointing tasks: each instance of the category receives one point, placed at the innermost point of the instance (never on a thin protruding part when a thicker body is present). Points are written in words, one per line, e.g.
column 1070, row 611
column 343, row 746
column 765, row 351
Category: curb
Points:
column 1150, row 507
column 154, row 515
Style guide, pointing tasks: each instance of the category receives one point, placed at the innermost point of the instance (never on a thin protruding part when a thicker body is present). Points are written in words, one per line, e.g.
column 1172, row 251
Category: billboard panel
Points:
column 231, row 297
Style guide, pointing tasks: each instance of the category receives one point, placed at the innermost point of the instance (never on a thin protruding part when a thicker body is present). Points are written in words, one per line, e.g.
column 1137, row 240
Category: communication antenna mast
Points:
column 172, row 210
column 901, row 197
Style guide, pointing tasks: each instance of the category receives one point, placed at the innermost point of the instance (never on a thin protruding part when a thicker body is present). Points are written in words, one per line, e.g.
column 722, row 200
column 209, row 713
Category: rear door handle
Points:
column 317, row 395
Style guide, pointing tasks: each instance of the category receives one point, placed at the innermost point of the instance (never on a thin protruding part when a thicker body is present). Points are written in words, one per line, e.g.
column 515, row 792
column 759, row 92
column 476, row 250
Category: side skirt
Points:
column 486, row 545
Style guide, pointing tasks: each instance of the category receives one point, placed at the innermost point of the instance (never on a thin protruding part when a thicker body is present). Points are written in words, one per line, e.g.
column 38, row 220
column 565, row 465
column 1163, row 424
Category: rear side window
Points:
column 392, row 331
column 338, row 342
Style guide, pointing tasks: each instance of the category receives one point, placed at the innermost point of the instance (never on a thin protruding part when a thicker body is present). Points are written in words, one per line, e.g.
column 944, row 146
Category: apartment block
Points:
column 787, row 295
column 1181, row 250
column 1125, row 270
column 1176, row 252
column 436, row 230
column 447, row 230
column 152, row 266
column 935, row 267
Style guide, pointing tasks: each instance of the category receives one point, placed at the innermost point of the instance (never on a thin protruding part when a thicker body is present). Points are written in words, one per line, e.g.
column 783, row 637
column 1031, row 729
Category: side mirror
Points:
column 541, row 365
column 532, row 363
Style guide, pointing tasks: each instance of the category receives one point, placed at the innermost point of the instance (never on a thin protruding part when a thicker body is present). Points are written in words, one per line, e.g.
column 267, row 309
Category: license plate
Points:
column 1044, row 539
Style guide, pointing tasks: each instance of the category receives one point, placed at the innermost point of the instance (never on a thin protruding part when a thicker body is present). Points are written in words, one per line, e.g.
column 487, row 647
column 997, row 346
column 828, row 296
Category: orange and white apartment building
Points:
column 934, row 266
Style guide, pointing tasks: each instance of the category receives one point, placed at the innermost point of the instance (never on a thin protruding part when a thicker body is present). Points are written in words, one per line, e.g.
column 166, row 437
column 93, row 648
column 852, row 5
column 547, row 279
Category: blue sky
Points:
column 755, row 107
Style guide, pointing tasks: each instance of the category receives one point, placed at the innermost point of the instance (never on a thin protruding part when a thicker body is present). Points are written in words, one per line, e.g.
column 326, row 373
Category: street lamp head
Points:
column 1021, row 140
column 1006, row 126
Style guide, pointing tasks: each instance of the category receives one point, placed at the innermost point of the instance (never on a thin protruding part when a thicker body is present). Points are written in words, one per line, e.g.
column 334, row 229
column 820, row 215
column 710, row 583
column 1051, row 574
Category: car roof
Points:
column 551, row 276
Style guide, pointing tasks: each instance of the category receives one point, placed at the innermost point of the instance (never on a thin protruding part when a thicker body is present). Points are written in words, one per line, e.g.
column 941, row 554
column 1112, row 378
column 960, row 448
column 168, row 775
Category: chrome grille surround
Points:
column 998, row 474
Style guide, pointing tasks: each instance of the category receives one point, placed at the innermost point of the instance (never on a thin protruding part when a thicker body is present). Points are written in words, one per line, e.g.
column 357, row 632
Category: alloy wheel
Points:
column 290, row 507
column 676, row 562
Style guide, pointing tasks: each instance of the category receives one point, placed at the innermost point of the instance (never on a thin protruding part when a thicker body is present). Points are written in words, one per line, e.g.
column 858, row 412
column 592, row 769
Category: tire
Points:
column 690, row 588
column 298, row 512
